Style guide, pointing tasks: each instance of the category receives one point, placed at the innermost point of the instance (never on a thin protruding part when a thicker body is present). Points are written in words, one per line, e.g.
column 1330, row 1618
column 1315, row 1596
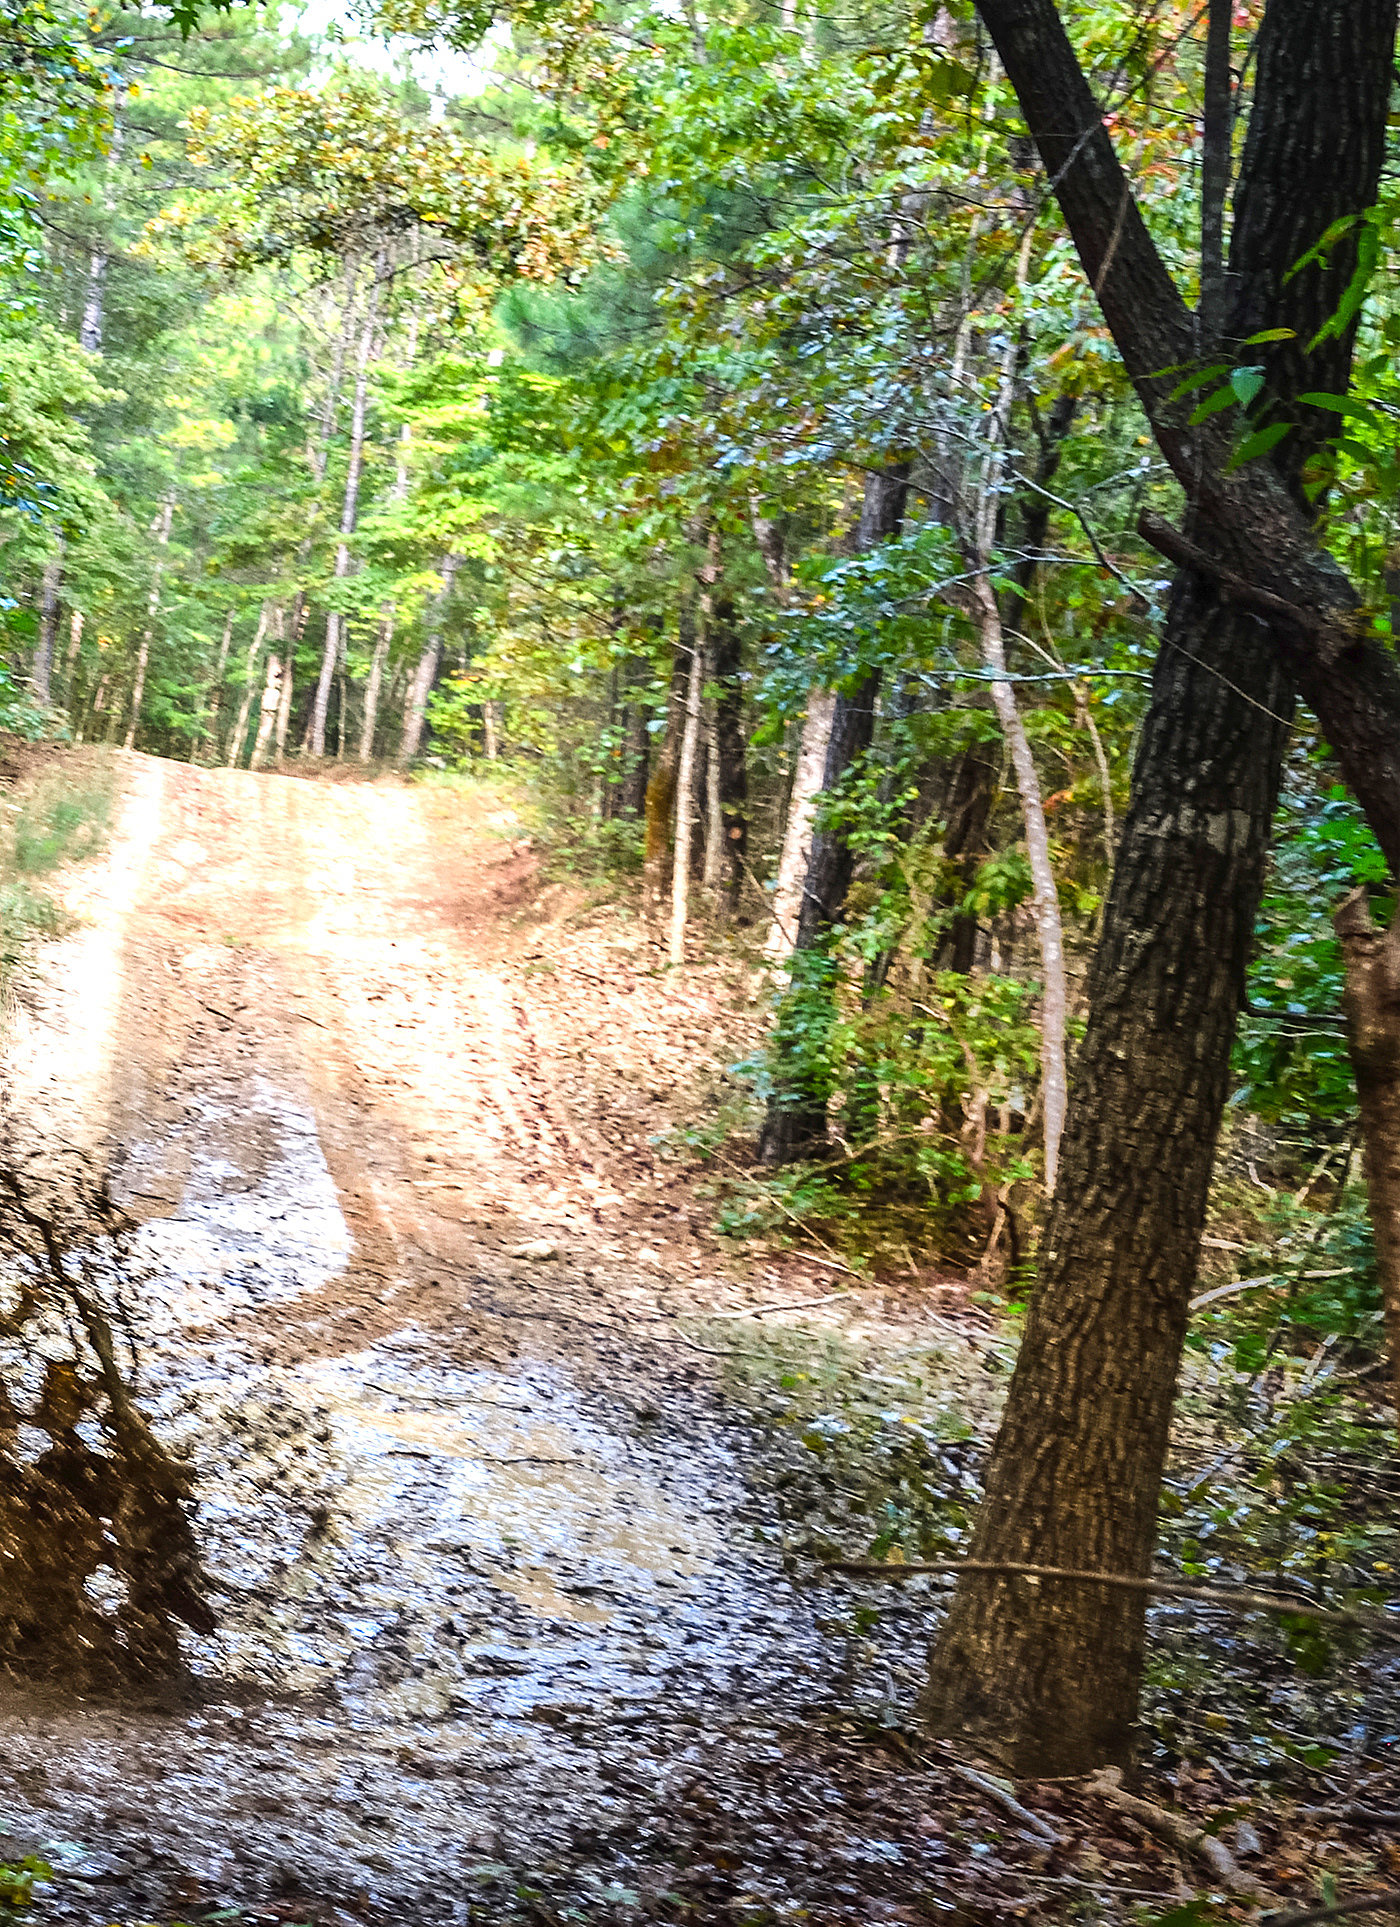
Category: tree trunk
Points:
column 90, row 329
column 238, row 734
column 425, row 675
column 42, row 677
column 284, row 702
column 209, row 726
column 725, row 666
column 1045, row 1676
column 1372, row 1004
column 804, row 799
column 332, row 654
column 161, row 530
column 796, row 1121
column 70, row 660
column 1054, row 1014
column 267, row 714
column 376, row 678
column 491, row 728
column 685, row 803
column 661, row 787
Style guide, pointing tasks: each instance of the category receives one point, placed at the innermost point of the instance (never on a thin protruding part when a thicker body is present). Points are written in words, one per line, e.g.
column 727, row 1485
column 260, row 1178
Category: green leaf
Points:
column 1261, row 442
column 1213, row 404
column 1269, row 334
column 1198, row 379
column 1246, row 383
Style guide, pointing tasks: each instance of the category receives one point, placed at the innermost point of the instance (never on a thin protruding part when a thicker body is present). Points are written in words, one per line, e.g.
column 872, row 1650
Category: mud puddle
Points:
column 464, row 1611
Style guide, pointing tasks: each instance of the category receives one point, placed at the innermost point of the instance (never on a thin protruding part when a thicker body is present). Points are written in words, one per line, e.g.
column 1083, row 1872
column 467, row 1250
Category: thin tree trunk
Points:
column 796, row 1120
column 425, row 675
column 491, row 728
column 269, row 706
column 90, row 329
column 41, row 678
column 284, row 702
column 714, row 821
column 376, row 677
column 332, row 654
column 725, row 670
column 70, row 660
column 1372, row 1003
column 1045, row 1677
column 803, row 801
column 239, row 732
column 661, row 786
column 210, row 725
column 685, row 804
column 161, row 528
column 1054, row 1014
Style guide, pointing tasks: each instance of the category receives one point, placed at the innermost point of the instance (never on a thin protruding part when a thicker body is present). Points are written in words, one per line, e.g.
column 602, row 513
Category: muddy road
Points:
column 494, row 1617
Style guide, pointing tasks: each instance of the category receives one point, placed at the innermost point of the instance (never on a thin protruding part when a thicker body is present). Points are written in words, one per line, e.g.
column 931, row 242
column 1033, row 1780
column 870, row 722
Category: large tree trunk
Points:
column 804, row 800
column 796, row 1119
column 1046, row 1675
column 1372, row 1001
column 267, row 712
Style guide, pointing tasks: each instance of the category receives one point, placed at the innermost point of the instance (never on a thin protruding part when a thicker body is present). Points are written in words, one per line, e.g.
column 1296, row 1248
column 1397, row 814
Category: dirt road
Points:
column 489, row 1597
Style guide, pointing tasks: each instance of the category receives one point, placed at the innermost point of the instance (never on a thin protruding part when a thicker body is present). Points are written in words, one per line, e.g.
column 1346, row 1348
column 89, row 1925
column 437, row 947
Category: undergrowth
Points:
column 61, row 818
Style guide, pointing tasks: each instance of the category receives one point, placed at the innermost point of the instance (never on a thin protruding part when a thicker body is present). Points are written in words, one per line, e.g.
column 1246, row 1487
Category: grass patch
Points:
column 63, row 817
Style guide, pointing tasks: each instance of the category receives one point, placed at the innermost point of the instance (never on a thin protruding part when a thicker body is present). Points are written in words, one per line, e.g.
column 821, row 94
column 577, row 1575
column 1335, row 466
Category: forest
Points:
column 804, row 597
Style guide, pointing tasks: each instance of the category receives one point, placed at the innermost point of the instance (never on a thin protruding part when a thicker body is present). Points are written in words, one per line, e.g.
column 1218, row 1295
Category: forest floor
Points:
column 481, row 1413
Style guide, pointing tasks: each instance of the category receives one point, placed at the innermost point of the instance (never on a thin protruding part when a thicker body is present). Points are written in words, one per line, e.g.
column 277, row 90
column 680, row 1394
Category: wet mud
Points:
column 475, row 1526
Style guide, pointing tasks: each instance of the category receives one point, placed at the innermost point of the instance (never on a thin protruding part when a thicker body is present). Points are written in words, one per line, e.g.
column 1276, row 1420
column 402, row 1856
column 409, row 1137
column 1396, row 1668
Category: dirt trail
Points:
column 484, row 1581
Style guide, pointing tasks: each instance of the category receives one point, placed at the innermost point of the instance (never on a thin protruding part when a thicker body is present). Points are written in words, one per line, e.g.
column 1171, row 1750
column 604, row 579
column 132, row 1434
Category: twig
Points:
column 1125, row 1582
column 1177, row 1829
column 791, row 1304
column 1007, row 1800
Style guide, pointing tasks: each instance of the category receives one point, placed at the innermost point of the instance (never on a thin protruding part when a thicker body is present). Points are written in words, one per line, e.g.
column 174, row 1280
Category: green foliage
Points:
column 1291, row 1059
column 18, row 1879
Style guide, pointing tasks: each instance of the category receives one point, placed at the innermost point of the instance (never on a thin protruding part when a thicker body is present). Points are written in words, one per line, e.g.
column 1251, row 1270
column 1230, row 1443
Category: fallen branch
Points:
column 1270, row 1602
column 1009, row 1803
column 1178, row 1830
column 789, row 1304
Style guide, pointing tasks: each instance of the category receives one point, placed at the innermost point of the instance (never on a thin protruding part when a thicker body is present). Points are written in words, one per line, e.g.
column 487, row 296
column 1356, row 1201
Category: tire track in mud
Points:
column 480, row 1588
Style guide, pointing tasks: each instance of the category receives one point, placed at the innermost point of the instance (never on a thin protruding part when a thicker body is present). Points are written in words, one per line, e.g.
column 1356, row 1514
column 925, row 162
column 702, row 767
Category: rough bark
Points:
column 1372, row 1004
column 1045, row 1676
column 967, row 810
column 685, row 804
